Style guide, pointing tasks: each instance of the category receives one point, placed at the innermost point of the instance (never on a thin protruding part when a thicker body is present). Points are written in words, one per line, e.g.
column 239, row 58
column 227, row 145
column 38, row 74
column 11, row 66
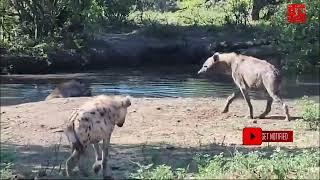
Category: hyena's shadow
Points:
column 276, row 117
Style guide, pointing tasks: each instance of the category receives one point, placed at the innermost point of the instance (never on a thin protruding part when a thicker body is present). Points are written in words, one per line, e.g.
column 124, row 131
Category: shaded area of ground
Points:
column 49, row 162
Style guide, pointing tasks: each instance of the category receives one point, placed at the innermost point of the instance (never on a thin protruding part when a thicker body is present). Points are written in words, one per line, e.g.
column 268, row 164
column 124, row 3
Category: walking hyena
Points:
column 91, row 123
column 248, row 73
column 73, row 88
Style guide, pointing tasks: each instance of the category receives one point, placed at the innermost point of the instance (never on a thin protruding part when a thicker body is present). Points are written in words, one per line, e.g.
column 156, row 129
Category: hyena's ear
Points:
column 216, row 56
column 126, row 102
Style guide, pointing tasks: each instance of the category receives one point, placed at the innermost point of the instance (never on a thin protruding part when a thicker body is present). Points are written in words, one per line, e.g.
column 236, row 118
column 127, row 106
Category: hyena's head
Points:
column 210, row 63
column 83, row 87
column 123, row 106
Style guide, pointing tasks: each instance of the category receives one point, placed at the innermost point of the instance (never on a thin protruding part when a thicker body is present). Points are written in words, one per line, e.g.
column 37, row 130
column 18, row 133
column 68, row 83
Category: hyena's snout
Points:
column 202, row 70
column 121, row 122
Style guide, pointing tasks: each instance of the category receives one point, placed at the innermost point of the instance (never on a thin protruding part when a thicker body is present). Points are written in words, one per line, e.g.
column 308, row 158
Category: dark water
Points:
column 140, row 82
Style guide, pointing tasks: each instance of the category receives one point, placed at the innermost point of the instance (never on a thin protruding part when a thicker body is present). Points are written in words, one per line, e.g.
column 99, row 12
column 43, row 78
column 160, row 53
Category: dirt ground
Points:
column 160, row 131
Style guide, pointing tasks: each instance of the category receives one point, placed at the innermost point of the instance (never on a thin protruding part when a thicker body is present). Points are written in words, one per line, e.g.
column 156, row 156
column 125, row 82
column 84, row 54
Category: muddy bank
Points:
column 136, row 50
column 169, row 129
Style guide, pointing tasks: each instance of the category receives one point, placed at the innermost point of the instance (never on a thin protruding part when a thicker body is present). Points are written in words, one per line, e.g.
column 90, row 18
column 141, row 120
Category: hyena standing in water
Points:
column 91, row 123
column 248, row 73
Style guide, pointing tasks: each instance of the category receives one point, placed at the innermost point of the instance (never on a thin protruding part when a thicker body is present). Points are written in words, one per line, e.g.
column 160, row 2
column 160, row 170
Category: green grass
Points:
column 254, row 165
column 189, row 13
column 190, row 17
column 310, row 112
column 193, row 18
column 7, row 158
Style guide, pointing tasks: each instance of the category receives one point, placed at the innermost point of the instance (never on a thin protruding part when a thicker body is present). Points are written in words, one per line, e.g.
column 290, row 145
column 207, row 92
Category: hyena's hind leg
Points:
column 278, row 99
column 273, row 90
column 72, row 161
column 246, row 96
column 268, row 107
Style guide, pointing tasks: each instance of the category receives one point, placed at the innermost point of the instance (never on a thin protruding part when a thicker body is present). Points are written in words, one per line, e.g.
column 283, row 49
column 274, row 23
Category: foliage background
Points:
column 36, row 27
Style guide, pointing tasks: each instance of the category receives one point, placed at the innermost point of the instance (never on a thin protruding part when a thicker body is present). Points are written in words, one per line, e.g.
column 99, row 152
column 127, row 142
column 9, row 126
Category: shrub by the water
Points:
column 238, row 12
column 44, row 26
column 6, row 163
column 298, row 42
column 310, row 112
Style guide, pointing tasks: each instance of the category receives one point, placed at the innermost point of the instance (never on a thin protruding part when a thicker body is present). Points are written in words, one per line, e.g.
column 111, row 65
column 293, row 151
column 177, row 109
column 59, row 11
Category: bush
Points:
column 42, row 26
column 310, row 112
column 195, row 13
column 6, row 163
column 188, row 13
column 117, row 11
column 299, row 42
column 255, row 165
column 238, row 12
column 160, row 172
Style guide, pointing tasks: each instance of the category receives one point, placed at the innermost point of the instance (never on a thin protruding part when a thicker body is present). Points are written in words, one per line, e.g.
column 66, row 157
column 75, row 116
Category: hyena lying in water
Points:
column 91, row 123
column 73, row 88
column 248, row 73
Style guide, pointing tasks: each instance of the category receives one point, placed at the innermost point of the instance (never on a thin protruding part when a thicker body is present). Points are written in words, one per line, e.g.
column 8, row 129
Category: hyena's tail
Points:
column 72, row 134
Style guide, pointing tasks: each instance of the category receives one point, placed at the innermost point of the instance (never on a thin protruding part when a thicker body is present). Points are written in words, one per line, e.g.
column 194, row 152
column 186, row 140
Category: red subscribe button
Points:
column 255, row 136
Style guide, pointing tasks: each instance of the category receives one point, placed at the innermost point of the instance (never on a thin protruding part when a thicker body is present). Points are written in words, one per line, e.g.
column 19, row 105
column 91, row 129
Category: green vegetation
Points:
column 187, row 13
column 255, row 165
column 6, row 162
column 299, row 42
column 238, row 11
column 35, row 28
column 310, row 112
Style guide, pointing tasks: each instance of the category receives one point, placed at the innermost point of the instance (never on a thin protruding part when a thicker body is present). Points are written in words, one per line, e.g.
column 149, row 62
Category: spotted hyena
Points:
column 73, row 88
column 94, row 122
column 248, row 73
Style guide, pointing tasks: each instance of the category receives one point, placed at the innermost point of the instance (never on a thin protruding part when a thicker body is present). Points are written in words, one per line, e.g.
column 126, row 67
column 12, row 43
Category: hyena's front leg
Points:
column 247, row 98
column 72, row 161
column 105, row 148
column 97, row 165
column 232, row 97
